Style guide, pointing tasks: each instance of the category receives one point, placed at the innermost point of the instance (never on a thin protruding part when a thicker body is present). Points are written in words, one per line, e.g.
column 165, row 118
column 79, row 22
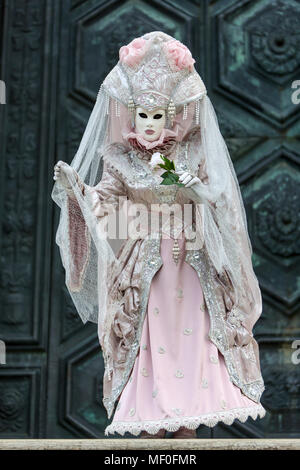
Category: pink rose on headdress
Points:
column 133, row 52
column 179, row 55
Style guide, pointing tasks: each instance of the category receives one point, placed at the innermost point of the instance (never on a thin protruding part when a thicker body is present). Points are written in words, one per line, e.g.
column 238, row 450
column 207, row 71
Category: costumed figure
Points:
column 175, row 308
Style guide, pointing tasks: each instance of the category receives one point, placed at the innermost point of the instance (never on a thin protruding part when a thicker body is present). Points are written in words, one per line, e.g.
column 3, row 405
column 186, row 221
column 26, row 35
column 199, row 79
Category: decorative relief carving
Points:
column 282, row 388
column 260, row 42
column 24, row 71
column 13, row 398
column 275, row 39
column 277, row 217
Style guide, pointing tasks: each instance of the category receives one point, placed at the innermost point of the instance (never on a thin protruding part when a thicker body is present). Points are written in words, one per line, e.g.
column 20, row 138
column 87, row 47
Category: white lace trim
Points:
column 192, row 422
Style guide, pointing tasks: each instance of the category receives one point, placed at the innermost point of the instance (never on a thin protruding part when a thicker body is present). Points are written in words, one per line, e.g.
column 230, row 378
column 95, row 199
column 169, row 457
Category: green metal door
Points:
column 54, row 56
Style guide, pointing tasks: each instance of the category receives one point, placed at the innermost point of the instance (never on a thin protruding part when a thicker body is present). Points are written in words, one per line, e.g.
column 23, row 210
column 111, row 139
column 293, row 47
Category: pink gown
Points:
column 179, row 377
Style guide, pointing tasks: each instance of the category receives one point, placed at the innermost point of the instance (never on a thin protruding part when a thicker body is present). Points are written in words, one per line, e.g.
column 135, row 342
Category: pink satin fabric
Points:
column 153, row 391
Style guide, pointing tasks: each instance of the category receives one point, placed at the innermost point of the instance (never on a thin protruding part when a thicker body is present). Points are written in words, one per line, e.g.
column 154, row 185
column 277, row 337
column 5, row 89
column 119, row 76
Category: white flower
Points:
column 155, row 160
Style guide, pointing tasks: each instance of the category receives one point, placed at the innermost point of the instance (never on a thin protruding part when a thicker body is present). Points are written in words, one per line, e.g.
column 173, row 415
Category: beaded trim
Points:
column 191, row 422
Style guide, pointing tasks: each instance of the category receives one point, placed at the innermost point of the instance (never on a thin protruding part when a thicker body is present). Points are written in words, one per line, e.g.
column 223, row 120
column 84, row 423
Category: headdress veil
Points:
column 155, row 70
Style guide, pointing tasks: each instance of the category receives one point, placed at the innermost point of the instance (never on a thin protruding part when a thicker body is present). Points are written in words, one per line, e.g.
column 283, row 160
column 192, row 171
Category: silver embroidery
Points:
column 213, row 359
column 132, row 411
column 144, row 372
column 235, row 317
column 177, row 411
column 223, row 404
column 187, row 331
column 156, row 311
column 144, row 346
column 179, row 374
column 154, row 393
column 179, row 293
column 249, row 353
column 204, row 383
column 161, row 350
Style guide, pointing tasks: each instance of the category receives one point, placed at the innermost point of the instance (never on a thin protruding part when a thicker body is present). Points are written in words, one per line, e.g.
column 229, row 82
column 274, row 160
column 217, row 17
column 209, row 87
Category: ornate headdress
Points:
column 155, row 71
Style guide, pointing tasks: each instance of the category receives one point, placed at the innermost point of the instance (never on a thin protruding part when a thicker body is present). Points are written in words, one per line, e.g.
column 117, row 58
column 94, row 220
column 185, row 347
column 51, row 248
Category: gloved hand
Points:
column 61, row 172
column 187, row 178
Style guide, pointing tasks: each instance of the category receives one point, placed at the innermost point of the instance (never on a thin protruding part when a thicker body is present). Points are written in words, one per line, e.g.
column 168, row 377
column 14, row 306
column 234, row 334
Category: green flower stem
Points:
column 169, row 176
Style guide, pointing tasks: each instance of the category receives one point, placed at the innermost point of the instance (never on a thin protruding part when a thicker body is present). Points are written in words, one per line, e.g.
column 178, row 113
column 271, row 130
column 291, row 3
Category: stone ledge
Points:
column 153, row 444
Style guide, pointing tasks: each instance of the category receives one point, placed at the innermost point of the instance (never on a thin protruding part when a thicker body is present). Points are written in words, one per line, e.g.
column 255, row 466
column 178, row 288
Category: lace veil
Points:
column 153, row 71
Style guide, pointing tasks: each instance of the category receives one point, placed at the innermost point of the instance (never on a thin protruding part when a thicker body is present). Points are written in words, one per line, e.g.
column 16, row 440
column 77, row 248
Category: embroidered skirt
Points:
column 179, row 377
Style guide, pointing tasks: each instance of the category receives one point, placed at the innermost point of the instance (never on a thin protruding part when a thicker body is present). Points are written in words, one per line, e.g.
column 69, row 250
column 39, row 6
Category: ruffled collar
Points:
column 165, row 144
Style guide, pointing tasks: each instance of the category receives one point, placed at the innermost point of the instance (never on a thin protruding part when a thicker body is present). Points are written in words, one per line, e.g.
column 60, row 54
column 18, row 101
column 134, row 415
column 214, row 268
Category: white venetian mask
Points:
column 149, row 124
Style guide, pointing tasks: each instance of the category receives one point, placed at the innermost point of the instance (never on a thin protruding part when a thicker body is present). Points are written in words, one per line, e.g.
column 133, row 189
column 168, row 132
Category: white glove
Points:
column 61, row 172
column 187, row 179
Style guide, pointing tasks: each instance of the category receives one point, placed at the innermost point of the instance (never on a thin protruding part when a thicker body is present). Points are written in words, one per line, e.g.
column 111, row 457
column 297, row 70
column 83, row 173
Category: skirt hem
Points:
column 190, row 422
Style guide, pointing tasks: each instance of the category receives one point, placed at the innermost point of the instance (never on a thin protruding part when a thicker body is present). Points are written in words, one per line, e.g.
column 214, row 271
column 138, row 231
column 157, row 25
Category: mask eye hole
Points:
column 143, row 115
column 157, row 116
